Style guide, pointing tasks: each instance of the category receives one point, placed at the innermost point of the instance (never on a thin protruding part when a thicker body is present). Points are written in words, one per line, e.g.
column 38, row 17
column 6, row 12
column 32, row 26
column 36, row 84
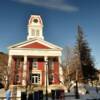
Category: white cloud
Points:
column 51, row 4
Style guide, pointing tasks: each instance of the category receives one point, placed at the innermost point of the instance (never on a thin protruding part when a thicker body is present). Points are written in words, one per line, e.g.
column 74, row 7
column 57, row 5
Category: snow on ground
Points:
column 90, row 95
column 86, row 92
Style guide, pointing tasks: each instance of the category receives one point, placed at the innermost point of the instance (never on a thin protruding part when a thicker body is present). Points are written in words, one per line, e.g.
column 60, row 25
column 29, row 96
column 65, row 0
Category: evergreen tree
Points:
column 84, row 53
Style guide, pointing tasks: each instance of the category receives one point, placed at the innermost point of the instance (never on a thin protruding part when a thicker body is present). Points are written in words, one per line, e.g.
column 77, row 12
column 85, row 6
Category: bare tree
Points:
column 68, row 66
column 4, row 69
column 71, row 66
column 5, row 74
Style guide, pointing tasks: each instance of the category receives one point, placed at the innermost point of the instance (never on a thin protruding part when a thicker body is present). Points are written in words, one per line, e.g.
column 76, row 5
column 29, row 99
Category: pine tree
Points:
column 84, row 53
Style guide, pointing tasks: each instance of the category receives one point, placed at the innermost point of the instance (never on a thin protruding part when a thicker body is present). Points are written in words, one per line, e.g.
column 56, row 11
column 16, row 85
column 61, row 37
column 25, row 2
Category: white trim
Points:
column 35, row 16
column 38, row 72
column 34, row 52
column 34, row 49
column 35, row 26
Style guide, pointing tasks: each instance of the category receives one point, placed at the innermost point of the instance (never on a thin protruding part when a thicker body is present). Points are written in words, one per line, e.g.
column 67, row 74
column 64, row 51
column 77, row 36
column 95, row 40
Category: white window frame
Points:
column 36, row 78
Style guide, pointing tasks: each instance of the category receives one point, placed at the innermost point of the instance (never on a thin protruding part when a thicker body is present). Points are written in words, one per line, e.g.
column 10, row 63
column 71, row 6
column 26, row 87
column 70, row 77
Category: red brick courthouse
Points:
column 35, row 60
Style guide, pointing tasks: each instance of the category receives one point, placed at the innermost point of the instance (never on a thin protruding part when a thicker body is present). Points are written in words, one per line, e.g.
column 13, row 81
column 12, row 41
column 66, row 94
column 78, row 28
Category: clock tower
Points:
column 35, row 28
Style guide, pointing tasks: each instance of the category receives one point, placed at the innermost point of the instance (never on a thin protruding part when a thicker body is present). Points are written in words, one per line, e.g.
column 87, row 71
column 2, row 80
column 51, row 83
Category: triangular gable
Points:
column 35, row 45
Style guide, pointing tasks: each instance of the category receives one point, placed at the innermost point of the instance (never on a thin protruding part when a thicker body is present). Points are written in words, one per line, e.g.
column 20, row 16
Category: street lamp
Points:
column 46, row 80
column 76, row 87
column 96, row 86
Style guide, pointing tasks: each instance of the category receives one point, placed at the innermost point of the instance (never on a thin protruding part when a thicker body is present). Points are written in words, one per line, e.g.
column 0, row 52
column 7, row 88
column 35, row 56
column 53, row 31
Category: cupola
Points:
column 35, row 28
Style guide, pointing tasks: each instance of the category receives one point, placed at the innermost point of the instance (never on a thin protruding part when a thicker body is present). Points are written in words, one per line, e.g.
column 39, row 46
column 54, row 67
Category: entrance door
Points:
column 35, row 78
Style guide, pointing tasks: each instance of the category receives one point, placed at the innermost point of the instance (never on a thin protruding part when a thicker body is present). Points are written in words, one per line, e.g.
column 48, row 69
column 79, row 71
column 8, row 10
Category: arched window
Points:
column 37, row 33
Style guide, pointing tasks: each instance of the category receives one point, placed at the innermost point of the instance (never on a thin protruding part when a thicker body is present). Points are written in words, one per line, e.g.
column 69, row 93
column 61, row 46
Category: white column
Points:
column 46, row 70
column 24, row 71
column 9, row 64
column 9, row 60
column 60, row 71
column 9, row 67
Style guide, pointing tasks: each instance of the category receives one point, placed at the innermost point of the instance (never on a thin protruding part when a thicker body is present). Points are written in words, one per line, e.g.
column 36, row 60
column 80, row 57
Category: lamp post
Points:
column 96, row 86
column 76, row 87
column 46, row 79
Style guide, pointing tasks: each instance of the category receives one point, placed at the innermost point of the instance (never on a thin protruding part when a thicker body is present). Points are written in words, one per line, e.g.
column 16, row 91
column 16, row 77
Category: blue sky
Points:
column 60, row 18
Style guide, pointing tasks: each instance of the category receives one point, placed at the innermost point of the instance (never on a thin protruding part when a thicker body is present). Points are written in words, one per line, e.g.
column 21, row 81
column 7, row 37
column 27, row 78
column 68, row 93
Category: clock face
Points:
column 35, row 20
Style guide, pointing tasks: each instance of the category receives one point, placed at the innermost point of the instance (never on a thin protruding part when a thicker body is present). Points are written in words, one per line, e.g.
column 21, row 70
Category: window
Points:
column 35, row 78
column 34, row 63
column 37, row 32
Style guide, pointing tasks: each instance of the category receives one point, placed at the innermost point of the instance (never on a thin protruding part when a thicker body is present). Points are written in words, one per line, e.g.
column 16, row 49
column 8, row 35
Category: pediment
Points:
column 35, row 44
